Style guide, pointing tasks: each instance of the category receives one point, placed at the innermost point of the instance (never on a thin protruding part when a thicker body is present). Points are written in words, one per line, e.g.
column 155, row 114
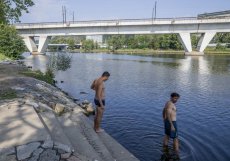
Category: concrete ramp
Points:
column 19, row 124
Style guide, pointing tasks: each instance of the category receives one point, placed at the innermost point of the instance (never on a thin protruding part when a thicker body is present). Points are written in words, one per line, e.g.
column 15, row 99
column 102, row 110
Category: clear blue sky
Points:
column 50, row 10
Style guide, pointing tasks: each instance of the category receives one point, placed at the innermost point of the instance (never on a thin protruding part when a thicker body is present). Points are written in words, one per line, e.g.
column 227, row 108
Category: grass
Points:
column 46, row 77
column 3, row 57
column 7, row 94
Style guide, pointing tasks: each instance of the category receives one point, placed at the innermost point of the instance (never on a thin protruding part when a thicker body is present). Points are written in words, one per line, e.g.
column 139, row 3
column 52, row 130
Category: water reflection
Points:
column 59, row 61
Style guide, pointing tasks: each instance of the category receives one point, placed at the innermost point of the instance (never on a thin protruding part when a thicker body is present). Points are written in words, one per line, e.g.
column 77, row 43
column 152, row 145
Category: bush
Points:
column 11, row 44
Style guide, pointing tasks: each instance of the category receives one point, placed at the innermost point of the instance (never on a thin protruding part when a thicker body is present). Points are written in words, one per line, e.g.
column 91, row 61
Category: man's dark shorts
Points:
column 171, row 134
column 98, row 103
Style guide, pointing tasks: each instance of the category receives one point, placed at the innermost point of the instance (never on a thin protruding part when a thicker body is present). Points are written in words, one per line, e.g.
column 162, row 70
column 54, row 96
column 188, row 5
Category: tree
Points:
column 71, row 43
column 88, row 45
column 11, row 44
column 11, row 10
column 116, row 42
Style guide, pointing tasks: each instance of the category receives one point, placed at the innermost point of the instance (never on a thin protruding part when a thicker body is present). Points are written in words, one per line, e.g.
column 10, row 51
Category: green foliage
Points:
column 3, row 57
column 116, row 42
column 11, row 44
column 11, row 10
column 47, row 77
column 88, row 45
column 7, row 94
column 220, row 47
column 155, row 42
column 222, row 38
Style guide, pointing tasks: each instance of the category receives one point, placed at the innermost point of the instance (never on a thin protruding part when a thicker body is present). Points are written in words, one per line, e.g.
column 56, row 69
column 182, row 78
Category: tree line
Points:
column 155, row 42
column 11, row 44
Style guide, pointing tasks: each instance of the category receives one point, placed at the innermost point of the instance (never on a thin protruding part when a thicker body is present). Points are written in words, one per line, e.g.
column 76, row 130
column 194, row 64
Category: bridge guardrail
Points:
column 106, row 21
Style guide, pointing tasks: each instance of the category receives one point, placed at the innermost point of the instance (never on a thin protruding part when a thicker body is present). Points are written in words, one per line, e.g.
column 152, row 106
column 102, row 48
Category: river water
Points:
column 137, row 90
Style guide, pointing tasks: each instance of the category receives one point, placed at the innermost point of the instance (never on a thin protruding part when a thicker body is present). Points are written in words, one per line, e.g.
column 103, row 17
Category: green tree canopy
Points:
column 11, row 44
column 11, row 10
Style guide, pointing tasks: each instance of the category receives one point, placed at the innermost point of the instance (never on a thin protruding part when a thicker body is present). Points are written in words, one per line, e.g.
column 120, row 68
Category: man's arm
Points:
column 169, row 116
column 99, row 96
column 93, row 85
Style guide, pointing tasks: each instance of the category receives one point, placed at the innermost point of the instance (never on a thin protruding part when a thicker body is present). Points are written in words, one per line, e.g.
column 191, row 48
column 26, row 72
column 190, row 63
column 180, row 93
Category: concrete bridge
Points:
column 181, row 26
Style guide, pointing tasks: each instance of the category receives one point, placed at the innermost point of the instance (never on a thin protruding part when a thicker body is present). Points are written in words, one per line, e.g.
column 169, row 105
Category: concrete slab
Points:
column 20, row 125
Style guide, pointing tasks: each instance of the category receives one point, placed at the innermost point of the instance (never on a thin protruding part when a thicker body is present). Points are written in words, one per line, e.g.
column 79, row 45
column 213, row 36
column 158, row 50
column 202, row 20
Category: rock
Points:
column 8, row 158
column 65, row 156
column 48, row 144
column 73, row 158
column 89, row 108
column 83, row 93
column 36, row 154
column 7, row 151
column 76, row 100
column 63, row 147
column 24, row 151
column 59, row 108
column 52, row 105
column 49, row 155
column 18, row 88
column 85, row 102
column 61, row 151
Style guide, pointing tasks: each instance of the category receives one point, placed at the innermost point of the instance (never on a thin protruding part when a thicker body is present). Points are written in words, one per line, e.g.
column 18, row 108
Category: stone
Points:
column 25, row 151
column 8, row 158
column 36, row 154
column 48, row 144
column 63, row 147
column 18, row 88
column 61, row 151
column 89, row 108
column 59, row 108
column 49, row 155
column 65, row 156
column 52, row 105
column 85, row 102
column 7, row 151
column 73, row 158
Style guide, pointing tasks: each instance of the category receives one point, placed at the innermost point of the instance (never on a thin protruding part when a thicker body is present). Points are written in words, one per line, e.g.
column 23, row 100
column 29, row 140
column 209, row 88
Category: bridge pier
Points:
column 186, row 42
column 32, row 47
column 205, row 40
column 43, row 43
column 30, row 44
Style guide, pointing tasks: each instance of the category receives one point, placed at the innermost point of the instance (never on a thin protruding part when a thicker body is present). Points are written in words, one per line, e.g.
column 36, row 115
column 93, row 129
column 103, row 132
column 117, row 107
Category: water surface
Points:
column 137, row 90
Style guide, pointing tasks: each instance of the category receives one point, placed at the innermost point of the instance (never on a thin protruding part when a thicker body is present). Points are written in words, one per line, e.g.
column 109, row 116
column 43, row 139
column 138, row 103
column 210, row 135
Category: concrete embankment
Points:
column 33, row 128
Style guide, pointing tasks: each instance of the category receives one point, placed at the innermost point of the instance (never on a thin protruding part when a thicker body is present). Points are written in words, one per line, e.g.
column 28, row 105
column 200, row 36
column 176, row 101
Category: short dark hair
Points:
column 105, row 74
column 174, row 94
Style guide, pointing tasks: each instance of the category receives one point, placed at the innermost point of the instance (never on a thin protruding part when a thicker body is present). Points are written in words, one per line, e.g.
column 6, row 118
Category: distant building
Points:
column 95, row 38
column 221, row 14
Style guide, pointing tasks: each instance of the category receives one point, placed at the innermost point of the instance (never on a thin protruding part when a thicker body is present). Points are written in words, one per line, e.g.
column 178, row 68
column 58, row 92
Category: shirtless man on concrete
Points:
column 169, row 117
column 99, row 99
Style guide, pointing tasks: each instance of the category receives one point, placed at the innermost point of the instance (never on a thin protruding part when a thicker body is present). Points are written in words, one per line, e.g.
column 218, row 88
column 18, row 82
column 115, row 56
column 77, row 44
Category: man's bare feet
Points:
column 99, row 130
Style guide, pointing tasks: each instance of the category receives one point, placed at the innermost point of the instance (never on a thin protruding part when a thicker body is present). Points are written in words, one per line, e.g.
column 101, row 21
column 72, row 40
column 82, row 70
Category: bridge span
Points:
column 181, row 26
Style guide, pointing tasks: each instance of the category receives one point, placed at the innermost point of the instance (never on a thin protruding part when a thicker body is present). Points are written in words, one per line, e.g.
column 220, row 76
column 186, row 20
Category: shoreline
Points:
column 57, row 122
column 149, row 52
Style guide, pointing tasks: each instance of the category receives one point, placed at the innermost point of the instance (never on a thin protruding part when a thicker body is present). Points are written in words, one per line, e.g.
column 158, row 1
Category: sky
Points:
column 51, row 10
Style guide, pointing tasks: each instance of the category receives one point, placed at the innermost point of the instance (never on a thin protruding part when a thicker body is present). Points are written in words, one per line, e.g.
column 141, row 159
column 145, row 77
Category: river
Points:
column 137, row 90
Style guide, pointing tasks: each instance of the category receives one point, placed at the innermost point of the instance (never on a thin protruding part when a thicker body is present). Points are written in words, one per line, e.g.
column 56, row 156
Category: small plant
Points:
column 7, row 94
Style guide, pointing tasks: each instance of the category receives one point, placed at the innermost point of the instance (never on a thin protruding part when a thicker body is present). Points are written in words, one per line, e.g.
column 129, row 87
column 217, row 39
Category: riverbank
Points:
column 39, row 122
column 149, row 52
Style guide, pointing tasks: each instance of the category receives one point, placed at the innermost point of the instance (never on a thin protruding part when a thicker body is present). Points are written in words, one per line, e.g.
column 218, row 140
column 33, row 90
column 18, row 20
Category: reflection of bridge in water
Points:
column 181, row 26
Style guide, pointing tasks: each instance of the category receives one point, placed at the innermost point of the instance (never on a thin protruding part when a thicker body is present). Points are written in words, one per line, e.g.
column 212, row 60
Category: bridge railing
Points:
column 107, row 21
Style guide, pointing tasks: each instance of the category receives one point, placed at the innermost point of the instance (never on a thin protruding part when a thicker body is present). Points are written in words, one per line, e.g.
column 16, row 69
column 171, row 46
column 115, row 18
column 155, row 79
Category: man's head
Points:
column 105, row 76
column 174, row 97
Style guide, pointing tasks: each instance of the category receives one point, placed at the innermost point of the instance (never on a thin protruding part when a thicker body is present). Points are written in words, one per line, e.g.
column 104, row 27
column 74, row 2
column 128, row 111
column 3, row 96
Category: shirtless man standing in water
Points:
column 169, row 117
column 99, row 99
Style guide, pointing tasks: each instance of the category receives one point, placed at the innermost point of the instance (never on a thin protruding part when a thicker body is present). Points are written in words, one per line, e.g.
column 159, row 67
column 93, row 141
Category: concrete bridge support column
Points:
column 30, row 44
column 186, row 42
column 204, row 40
column 43, row 43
